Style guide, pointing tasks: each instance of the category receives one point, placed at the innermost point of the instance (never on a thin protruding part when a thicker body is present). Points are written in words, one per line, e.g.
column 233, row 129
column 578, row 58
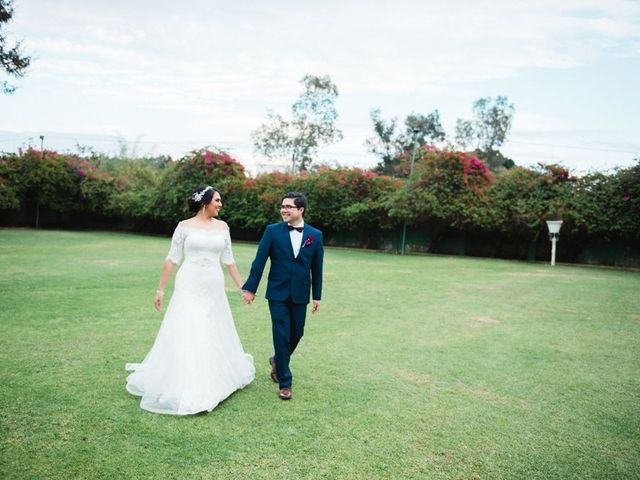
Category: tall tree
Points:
column 385, row 142
column 424, row 129
column 492, row 121
column 312, row 126
column 487, row 131
column 489, row 127
column 389, row 144
column 464, row 135
column 12, row 61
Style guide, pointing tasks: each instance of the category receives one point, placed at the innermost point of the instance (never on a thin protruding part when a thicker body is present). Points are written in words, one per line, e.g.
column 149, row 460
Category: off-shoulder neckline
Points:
column 223, row 230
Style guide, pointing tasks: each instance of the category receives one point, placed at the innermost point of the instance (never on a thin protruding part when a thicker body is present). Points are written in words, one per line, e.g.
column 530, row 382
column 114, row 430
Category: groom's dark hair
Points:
column 299, row 200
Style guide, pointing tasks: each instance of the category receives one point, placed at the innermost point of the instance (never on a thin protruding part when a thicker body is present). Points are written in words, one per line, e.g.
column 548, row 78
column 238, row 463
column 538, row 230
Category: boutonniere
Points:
column 308, row 241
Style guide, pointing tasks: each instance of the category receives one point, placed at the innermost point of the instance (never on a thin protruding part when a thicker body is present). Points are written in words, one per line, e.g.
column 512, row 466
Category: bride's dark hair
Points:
column 201, row 196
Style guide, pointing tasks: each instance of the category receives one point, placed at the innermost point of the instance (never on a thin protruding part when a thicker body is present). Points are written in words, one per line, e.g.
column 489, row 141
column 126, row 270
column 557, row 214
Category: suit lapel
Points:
column 305, row 234
column 287, row 238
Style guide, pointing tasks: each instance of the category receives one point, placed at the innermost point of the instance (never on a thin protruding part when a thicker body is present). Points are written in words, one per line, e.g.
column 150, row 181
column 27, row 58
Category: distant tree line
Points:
column 295, row 142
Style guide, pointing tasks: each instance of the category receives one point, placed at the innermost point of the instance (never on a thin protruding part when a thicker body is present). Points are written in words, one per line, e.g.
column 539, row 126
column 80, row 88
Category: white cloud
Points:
column 203, row 66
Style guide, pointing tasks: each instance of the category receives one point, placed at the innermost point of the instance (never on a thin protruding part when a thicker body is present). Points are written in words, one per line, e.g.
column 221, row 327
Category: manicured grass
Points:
column 416, row 367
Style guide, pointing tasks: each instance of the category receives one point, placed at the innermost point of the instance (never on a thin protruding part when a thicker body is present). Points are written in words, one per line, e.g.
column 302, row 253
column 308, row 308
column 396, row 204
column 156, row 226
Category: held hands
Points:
column 248, row 297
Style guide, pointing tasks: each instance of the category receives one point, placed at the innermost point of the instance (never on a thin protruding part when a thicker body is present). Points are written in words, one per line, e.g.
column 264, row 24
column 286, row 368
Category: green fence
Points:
column 419, row 240
column 616, row 252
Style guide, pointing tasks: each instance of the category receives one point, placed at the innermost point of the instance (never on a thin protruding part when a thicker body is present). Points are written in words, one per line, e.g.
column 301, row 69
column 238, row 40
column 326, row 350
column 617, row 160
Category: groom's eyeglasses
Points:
column 288, row 207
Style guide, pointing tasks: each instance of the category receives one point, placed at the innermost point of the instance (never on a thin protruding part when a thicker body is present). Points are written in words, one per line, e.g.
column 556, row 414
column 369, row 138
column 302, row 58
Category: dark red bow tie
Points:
column 298, row 229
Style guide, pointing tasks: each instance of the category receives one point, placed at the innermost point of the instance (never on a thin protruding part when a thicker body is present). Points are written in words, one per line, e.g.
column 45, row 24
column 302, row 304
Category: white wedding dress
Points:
column 197, row 359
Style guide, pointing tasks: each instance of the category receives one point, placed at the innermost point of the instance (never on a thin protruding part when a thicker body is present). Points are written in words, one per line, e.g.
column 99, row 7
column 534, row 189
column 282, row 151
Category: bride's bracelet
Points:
column 161, row 292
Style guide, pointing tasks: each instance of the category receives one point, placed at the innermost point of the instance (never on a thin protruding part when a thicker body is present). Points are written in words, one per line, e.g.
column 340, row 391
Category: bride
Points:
column 197, row 359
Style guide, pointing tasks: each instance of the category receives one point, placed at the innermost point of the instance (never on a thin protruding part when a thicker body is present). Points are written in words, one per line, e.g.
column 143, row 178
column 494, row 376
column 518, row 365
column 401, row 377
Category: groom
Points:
column 296, row 252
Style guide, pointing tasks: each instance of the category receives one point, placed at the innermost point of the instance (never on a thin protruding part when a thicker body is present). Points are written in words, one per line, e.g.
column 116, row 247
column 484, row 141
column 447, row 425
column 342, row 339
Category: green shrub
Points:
column 522, row 199
column 207, row 166
column 608, row 206
column 448, row 188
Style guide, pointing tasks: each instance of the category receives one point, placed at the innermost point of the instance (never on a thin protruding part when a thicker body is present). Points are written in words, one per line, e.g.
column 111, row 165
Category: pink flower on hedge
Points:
column 477, row 164
column 627, row 197
column 208, row 157
column 81, row 172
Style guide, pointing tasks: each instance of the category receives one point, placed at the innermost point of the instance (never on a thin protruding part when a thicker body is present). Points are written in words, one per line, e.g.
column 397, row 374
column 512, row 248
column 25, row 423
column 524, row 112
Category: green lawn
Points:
column 416, row 367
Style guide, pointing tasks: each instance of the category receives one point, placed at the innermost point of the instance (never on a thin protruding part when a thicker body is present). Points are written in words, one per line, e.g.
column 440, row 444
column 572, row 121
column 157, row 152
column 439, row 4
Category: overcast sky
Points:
column 168, row 76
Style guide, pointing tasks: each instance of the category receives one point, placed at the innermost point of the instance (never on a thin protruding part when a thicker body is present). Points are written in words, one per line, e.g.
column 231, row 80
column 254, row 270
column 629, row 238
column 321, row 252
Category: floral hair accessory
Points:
column 198, row 195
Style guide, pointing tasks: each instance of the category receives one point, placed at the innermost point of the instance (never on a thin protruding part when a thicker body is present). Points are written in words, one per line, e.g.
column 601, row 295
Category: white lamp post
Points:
column 554, row 236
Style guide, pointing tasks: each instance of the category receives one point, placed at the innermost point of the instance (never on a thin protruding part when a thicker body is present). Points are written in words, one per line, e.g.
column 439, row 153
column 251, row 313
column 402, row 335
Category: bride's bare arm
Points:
column 164, row 279
column 235, row 275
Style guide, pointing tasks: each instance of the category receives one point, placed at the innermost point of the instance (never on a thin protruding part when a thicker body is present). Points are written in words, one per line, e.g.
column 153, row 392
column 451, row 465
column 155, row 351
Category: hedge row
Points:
column 148, row 194
column 448, row 190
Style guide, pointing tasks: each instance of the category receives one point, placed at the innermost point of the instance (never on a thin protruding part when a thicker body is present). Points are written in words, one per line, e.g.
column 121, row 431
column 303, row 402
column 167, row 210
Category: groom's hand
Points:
column 316, row 306
column 248, row 297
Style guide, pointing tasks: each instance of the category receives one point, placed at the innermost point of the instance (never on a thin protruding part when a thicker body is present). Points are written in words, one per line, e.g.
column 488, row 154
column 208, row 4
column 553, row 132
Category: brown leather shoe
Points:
column 274, row 373
column 285, row 393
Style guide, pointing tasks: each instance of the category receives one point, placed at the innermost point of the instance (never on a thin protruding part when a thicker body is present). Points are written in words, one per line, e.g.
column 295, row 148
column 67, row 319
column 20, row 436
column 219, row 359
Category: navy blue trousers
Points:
column 287, row 322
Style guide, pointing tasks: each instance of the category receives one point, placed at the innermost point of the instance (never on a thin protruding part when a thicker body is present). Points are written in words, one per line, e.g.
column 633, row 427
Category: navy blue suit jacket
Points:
column 289, row 276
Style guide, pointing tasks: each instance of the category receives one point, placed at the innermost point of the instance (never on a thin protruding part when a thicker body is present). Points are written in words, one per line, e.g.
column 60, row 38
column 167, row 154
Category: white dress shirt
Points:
column 296, row 239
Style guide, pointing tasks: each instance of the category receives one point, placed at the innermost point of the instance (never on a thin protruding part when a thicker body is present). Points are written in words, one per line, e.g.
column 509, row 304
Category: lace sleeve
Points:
column 177, row 244
column 227, row 254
